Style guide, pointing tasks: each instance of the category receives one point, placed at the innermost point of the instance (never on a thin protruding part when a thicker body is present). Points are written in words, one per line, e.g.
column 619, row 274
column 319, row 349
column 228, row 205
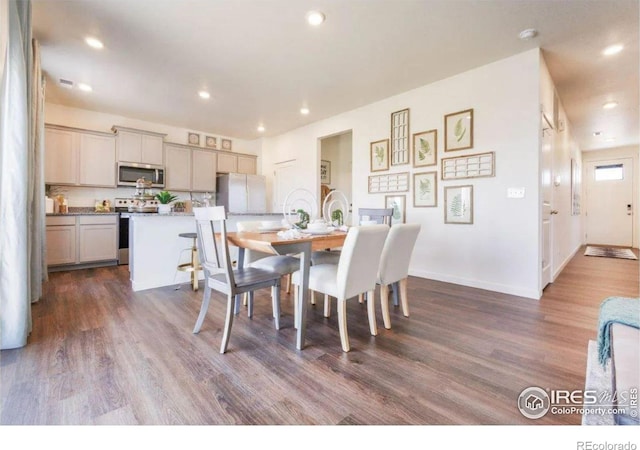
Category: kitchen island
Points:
column 156, row 249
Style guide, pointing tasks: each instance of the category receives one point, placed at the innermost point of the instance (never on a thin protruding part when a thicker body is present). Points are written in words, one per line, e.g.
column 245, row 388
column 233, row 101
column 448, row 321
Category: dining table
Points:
column 302, row 246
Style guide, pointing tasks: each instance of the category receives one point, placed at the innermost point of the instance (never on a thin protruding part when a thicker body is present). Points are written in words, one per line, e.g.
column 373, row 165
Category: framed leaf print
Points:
column 458, row 130
column 379, row 155
column 458, row 204
column 398, row 203
column 425, row 145
column 400, row 137
column 425, row 189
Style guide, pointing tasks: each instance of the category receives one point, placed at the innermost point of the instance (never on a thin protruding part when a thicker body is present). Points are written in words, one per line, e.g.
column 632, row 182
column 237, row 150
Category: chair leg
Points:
column 371, row 312
column 342, row 324
column 275, row 300
column 236, row 308
column 296, row 290
column 289, row 283
column 250, row 305
column 203, row 309
column 403, row 297
column 360, row 298
column 312, row 296
column 395, row 289
column 327, row 305
column 227, row 324
column 245, row 299
column 384, row 303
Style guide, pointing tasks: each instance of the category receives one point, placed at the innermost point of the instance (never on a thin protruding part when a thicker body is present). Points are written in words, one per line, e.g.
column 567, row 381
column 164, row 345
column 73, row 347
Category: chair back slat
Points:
column 210, row 254
column 380, row 215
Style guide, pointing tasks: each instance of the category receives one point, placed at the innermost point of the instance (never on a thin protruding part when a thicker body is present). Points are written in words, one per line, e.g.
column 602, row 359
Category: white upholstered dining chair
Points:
column 220, row 275
column 355, row 273
column 394, row 266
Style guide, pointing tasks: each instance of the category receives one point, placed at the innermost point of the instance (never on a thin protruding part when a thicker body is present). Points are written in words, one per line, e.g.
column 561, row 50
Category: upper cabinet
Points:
column 189, row 168
column 79, row 157
column 139, row 146
column 236, row 163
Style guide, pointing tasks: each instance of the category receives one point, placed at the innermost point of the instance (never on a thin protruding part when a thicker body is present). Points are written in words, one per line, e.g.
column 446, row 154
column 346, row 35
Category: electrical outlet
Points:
column 515, row 192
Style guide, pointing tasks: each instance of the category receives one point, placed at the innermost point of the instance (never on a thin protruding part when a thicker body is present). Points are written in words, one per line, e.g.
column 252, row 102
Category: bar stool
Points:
column 193, row 266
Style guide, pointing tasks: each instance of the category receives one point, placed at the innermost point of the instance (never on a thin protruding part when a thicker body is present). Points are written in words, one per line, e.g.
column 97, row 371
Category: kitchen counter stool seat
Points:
column 193, row 265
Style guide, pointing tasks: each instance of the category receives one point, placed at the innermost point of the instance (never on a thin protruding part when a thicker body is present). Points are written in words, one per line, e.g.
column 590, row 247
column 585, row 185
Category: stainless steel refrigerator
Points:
column 241, row 193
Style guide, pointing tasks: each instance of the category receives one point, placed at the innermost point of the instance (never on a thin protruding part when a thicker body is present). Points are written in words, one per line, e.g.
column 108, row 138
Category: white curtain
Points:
column 21, row 174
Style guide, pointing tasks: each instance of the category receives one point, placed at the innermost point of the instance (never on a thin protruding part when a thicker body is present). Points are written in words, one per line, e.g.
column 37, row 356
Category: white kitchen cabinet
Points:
column 247, row 164
column 97, row 160
column 77, row 240
column 79, row 157
column 227, row 163
column 97, row 238
column 177, row 167
column 139, row 146
column 61, row 240
column 203, row 170
column 60, row 156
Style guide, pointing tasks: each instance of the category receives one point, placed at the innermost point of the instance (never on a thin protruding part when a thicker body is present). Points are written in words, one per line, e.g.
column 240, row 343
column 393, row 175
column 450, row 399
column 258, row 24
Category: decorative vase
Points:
column 164, row 209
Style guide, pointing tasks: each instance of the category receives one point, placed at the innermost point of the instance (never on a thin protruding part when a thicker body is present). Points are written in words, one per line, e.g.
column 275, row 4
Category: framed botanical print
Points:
column 399, row 205
column 425, row 189
column 379, row 151
column 458, row 130
column 425, row 148
column 458, row 204
column 400, row 137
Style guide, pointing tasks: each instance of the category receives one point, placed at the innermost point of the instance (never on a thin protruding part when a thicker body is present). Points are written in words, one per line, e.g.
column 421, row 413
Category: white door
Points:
column 609, row 202
column 546, row 174
column 285, row 180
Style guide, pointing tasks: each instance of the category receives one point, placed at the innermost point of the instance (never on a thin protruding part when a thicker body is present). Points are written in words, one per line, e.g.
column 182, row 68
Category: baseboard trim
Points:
column 533, row 294
column 559, row 270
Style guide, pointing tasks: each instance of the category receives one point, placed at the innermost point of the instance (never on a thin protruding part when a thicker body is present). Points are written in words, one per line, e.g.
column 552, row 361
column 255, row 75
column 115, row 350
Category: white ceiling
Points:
column 262, row 62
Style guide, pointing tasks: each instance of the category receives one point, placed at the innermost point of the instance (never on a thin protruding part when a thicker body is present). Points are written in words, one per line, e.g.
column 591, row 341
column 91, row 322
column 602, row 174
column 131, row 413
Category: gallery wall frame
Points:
column 379, row 155
column 425, row 148
column 458, row 204
column 399, row 205
column 392, row 182
column 477, row 165
column 400, row 137
column 458, row 130
column 425, row 189
column 325, row 172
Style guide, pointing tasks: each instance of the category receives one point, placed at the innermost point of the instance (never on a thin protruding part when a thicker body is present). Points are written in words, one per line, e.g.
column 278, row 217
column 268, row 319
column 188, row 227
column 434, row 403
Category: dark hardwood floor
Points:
column 102, row 354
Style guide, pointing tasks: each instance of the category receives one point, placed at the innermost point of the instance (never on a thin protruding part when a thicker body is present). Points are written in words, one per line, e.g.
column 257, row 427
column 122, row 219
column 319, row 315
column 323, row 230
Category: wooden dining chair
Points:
column 394, row 266
column 355, row 273
column 220, row 275
column 283, row 264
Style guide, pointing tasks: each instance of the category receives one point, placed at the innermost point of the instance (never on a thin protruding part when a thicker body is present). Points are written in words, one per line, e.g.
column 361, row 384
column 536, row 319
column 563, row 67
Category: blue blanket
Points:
column 615, row 310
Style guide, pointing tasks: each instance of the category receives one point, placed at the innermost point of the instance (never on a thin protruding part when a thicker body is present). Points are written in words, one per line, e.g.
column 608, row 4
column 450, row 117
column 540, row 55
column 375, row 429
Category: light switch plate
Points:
column 514, row 192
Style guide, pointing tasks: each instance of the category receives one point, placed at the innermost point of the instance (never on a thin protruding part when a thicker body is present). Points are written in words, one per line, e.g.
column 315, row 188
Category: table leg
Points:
column 303, row 293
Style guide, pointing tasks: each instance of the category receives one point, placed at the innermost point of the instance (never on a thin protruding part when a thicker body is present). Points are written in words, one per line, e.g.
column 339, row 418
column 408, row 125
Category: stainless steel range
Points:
column 125, row 206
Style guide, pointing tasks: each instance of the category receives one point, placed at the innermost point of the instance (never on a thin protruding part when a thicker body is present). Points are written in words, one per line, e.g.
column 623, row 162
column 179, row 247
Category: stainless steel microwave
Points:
column 128, row 173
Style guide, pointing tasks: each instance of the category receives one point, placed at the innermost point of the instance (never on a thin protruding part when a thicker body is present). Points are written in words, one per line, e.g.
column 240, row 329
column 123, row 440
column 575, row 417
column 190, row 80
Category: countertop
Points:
column 90, row 211
column 84, row 211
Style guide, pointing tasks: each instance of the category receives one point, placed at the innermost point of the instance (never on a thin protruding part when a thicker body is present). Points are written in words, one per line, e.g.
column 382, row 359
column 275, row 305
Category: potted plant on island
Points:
column 165, row 198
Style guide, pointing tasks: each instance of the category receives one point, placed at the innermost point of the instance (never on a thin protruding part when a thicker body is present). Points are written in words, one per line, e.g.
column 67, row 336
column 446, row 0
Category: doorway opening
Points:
column 335, row 166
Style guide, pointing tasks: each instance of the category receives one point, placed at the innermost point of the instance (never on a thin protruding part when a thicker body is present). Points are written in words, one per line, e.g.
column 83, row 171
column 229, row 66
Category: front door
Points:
column 609, row 192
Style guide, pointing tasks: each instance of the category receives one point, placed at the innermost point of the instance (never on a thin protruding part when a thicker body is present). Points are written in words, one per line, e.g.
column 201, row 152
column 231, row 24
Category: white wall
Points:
column 97, row 121
column 615, row 153
column 567, row 228
column 500, row 250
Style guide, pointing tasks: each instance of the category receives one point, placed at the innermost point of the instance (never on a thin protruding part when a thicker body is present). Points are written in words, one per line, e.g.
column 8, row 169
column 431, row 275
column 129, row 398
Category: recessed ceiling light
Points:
column 260, row 128
column 610, row 105
column 315, row 18
column 93, row 42
column 612, row 49
column 204, row 94
column 527, row 34
column 304, row 111
column 85, row 87
column 597, row 133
